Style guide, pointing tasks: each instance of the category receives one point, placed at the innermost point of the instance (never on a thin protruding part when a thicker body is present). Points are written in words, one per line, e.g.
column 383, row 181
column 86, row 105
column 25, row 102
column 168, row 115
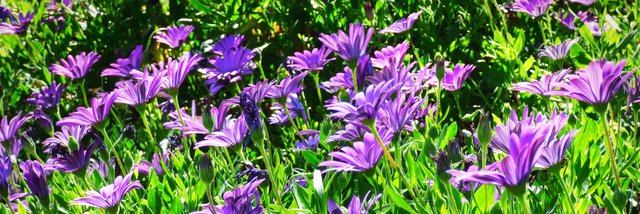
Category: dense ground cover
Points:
column 178, row 106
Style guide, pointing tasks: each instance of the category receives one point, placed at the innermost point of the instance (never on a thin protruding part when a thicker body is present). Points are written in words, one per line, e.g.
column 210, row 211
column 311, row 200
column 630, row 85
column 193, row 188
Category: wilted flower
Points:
column 289, row 85
column 250, row 111
column 124, row 66
column 233, row 134
column 567, row 19
column 534, row 8
column 595, row 84
column 16, row 26
column 9, row 129
column 250, row 173
column 139, row 93
column 545, row 86
column 355, row 206
column 76, row 67
column 556, row 52
column 313, row 60
column 583, row 2
column 228, row 68
column 41, row 118
column 5, row 12
column 403, row 24
column 36, row 179
column 63, row 137
column 363, row 156
column 72, row 161
column 228, row 43
column 177, row 70
column 175, row 35
column 110, row 195
column 48, row 97
column 92, row 116
column 349, row 47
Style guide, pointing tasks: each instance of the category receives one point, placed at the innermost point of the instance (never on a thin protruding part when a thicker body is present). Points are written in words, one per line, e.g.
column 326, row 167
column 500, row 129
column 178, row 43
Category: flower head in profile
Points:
column 228, row 43
column 232, row 135
column 547, row 128
column 36, row 179
column 313, row 60
column 139, row 93
column 453, row 78
column 390, row 57
column 556, row 52
column 5, row 174
column 110, row 195
column 403, row 24
column 15, row 26
column 595, row 84
column 553, row 152
column 366, row 103
column 123, row 67
column 310, row 143
column 228, row 68
column 145, row 167
column 48, row 97
column 289, row 85
column 73, row 161
column 294, row 106
column 9, row 128
column 62, row 138
column 399, row 113
column 633, row 90
column 349, row 47
column 342, row 80
column 362, row 156
column 567, row 19
column 177, row 70
column 534, row 8
column 174, row 35
column 356, row 206
column 243, row 199
column 545, row 86
column 92, row 116
column 75, row 67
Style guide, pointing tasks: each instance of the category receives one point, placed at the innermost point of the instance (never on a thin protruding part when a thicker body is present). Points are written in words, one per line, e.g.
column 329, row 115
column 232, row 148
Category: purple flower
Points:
column 390, row 57
column 175, row 35
column 339, row 81
column 633, row 90
column 591, row 21
column 123, row 67
column 583, row 2
column 73, row 161
column 453, row 78
column 110, row 195
column 62, row 138
column 595, row 84
column 5, row 13
column 228, row 68
column 48, row 97
column 243, row 199
column 295, row 107
column 349, row 47
column 355, row 206
column 547, row 128
column 76, row 67
column 363, row 156
column 367, row 103
column 349, row 134
column 135, row 94
column 556, row 52
column 144, row 166
column 177, row 70
column 99, row 166
column 41, row 118
column 16, row 26
column 93, row 116
column 567, row 19
column 313, row 60
column 401, row 75
column 534, row 8
column 36, row 179
column 553, row 152
column 403, row 24
column 289, row 85
column 195, row 124
column 5, row 174
column 232, row 135
column 228, row 43
column 312, row 141
column 545, row 86
column 9, row 129
column 250, row 111
column 399, row 113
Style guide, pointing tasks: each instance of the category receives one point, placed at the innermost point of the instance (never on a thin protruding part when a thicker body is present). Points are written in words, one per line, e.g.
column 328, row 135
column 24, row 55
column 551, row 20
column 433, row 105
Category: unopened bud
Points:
column 205, row 169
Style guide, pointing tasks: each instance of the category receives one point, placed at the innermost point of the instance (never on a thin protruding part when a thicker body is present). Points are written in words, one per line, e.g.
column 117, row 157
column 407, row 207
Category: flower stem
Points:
column 187, row 147
column 293, row 122
column 142, row 110
column 209, row 195
column 563, row 185
column 354, row 77
column 108, row 142
column 609, row 146
column 84, row 94
column 437, row 114
column 522, row 199
column 267, row 164
column 316, row 78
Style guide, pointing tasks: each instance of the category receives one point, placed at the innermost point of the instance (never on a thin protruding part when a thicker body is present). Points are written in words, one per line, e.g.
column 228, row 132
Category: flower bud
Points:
column 369, row 10
column 205, row 169
column 484, row 129
column 207, row 120
column 440, row 63
column 72, row 144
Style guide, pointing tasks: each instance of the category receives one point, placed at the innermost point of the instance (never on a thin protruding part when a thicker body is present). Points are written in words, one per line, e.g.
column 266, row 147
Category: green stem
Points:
column 565, row 190
column 210, row 196
column 485, row 148
column 609, row 146
column 108, row 142
column 316, row 79
column 436, row 116
column 354, row 77
column 142, row 110
column 293, row 123
column 522, row 199
column 267, row 164
column 187, row 147
column 84, row 94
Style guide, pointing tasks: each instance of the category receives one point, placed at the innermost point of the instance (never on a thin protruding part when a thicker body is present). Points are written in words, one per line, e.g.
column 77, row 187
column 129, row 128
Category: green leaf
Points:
column 484, row 197
column 311, row 157
column 526, row 66
column 625, row 41
column 585, row 33
column 398, row 200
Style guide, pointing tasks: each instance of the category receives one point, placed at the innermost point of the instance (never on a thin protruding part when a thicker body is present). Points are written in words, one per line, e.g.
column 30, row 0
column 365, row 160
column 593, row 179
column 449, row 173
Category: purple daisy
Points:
column 313, row 60
column 177, row 70
column 174, row 35
column 73, row 161
column 545, row 86
column 453, row 78
column 243, row 199
column 595, row 84
column 356, row 206
column 567, row 19
column 403, row 24
column 144, row 166
column 553, row 152
column 9, row 129
column 633, row 90
column 92, row 116
column 583, row 2
column 556, row 52
column 36, row 179
column 366, row 106
column 76, row 67
column 123, row 67
column 390, row 57
column 110, row 195
column 48, row 97
column 63, row 137
column 228, row 68
column 399, row 113
column 135, row 94
column 349, row 47
column 295, row 107
column 289, row 85
column 339, row 81
column 16, row 26
column 228, row 43
column 534, row 8
column 362, row 156
column 232, row 135
column 591, row 21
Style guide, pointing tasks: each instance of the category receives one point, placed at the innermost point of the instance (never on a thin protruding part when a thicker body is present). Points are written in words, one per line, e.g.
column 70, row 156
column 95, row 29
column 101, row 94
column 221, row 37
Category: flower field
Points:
column 416, row 106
